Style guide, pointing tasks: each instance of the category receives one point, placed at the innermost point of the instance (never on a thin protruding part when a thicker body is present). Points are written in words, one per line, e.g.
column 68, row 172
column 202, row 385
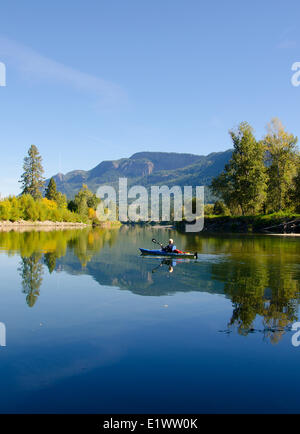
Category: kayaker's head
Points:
column 171, row 242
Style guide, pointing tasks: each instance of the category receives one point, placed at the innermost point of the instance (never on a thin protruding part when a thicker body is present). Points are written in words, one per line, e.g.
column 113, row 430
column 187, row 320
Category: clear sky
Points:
column 93, row 80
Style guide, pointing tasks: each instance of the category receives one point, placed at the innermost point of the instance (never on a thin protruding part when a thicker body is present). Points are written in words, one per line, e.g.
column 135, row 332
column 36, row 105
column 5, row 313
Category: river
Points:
column 93, row 327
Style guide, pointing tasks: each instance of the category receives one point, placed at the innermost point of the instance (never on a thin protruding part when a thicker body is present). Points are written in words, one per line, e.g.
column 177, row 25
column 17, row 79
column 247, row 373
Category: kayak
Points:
column 169, row 254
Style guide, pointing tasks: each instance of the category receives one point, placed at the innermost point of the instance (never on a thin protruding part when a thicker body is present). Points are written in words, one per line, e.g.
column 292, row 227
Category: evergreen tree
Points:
column 282, row 156
column 32, row 179
column 51, row 192
column 242, row 184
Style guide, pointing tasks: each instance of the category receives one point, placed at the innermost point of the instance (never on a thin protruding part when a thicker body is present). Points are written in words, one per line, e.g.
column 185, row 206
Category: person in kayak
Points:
column 170, row 247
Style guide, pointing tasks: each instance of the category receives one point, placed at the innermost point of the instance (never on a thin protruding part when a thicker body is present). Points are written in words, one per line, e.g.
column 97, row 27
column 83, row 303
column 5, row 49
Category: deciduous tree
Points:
column 295, row 192
column 242, row 184
column 84, row 200
column 281, row 160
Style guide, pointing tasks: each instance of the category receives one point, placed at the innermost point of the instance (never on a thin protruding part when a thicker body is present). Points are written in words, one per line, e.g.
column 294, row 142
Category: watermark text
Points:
column 140, row 205
column 2, row 74
column 2, row 335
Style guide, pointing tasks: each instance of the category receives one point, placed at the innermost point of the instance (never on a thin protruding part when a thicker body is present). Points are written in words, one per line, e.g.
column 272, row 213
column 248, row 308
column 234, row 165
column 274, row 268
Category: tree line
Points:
column 263, row 176
column 38, row 202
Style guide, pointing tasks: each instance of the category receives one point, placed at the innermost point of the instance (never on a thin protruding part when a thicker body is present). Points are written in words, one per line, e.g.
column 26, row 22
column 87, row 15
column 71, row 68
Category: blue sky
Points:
column 96, row 80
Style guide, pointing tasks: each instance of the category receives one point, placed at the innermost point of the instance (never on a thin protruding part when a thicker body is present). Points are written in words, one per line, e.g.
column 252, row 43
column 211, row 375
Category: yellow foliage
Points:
column 26, row 208
column 51, row 204
column 92, row 213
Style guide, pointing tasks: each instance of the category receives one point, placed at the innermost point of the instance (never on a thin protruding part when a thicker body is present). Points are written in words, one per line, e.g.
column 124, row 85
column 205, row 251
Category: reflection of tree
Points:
column 281, row 307
column 31, row 271
column 30, row 242
column 86, row 244
column 53, row 244
column 245, row 286
column 260, row 283
column 50, row 261
column 260, row 275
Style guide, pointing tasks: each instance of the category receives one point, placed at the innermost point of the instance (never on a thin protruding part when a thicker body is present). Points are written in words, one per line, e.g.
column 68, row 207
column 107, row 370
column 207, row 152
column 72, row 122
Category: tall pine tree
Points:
column 32, row 178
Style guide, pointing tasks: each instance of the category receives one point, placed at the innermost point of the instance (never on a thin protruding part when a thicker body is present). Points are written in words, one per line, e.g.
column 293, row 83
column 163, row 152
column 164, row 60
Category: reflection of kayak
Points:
column 169, row 254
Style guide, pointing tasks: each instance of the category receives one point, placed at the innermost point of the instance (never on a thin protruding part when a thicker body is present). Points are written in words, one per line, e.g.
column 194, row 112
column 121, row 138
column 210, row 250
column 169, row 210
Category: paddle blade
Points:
column 156, row 242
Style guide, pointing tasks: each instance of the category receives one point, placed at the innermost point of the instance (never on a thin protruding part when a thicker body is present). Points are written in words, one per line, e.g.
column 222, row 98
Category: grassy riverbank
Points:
column 270, row 223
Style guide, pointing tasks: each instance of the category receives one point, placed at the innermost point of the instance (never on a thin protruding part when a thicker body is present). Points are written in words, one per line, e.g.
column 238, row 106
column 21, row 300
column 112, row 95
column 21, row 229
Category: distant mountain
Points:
column 147, row 168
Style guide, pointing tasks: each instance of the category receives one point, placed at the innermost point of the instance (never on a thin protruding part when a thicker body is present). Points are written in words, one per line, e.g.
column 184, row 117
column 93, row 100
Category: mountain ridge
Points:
column 147, row 168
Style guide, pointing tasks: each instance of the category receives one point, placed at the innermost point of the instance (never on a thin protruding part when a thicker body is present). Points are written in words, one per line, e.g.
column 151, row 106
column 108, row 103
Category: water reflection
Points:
column 170, row 263
column 31, row 271
column 260, row 275
column 38, row 248
column 255, row 290
column 50, row 261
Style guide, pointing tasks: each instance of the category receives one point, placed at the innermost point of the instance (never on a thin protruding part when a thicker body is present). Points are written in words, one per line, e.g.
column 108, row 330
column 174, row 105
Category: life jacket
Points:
column 170, row 249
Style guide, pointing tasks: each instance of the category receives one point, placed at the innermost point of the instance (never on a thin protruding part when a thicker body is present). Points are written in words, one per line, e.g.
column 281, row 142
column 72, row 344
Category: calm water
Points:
column 94, row 327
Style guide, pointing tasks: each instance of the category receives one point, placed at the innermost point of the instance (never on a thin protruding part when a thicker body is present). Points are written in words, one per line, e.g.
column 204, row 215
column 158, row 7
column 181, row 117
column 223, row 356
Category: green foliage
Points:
column 242, row 185
column 255, row 223
column 208, row 209
column 295, row 192
column 72, row 206
column 26, row 208
column 282, row 157
column 61, row 200
column 220, row 208
column 261, row 176
column 51, row 192
column 84, row 200
column 32, row 178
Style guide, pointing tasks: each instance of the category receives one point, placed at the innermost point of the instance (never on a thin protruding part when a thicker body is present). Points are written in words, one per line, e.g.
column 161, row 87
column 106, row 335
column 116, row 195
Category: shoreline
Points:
column 282, row 235
column 272, row 224
column 22, row 224
column 211, row 227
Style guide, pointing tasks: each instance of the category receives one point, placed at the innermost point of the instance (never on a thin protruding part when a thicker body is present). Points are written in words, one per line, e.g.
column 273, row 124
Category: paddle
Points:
column 157, row 242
